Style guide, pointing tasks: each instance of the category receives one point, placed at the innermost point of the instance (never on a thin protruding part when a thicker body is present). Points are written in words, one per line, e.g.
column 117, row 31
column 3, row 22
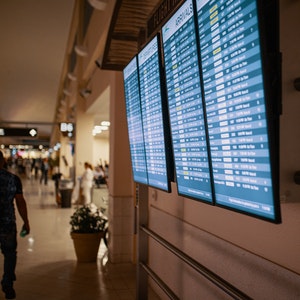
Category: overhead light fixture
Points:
column 61, row 109
column 85, row 93
column 99, row 128
column 71, row 118
column 72, row 77
column 96, row 130
column 81, row 50
column 105, row 123
column 102, row 127
column 98, row 4
column 63, row 102
column 67, row 92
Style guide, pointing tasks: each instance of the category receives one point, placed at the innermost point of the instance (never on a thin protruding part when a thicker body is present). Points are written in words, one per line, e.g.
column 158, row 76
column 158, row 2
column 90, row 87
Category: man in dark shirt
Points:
column 10, row 190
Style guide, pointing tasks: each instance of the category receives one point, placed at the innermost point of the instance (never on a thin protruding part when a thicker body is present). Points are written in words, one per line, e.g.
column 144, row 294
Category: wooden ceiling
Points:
column 127, row 31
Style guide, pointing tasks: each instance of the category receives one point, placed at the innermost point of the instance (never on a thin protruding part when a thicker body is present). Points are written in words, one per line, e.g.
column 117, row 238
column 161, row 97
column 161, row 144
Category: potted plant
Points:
column 87, row 229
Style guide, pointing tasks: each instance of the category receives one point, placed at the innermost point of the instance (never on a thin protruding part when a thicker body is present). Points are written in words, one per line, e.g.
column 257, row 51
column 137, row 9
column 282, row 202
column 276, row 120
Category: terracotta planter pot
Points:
column 86, row 245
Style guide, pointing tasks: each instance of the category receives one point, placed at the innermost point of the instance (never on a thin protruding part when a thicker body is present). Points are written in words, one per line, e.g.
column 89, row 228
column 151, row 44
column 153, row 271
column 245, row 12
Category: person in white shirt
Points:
column 87, row 182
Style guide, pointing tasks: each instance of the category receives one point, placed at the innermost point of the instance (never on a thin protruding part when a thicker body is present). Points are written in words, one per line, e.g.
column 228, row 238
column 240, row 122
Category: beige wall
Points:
column 100, row 150
column 84, row 138
column 253, row 255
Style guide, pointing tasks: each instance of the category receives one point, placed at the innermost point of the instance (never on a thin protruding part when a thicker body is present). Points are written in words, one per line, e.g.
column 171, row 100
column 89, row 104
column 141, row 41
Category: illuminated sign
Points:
column 32, row 132
column 66, row 127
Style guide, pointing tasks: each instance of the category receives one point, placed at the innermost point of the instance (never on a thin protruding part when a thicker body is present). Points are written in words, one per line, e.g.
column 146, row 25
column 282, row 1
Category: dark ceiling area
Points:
column 128, row 29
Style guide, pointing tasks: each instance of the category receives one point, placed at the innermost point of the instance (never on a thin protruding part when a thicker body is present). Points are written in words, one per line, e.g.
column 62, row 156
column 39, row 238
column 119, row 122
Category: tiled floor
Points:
column 47, row 267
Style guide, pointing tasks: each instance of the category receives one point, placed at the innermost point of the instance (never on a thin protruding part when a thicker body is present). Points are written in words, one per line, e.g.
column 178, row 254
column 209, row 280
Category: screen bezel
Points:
column 134, row 173
column 268, row 22
column 164, row 112
column 179, row 191
column 267, row 14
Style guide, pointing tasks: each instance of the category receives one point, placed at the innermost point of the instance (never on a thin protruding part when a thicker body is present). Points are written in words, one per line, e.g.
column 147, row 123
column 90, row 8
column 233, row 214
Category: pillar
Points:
column 84, row 137
column 121, row 205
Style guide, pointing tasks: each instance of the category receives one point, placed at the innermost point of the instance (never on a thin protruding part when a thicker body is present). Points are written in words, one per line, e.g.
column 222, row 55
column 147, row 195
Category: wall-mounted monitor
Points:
column 238, row 106
column 154, row 118
column 222, row 81
column 185, row 105
column 134, row 122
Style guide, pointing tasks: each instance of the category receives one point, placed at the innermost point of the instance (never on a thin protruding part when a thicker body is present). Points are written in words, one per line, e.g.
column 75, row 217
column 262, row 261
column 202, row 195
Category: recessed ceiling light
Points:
column 81, row 50
column 98, row 4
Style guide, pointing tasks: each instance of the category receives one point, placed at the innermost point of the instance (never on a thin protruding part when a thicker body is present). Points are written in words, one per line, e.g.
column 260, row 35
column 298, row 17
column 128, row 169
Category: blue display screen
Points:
column 152, row 115
column 222, row 105
column 185, row 105
column 134, row 122
column 233, row 86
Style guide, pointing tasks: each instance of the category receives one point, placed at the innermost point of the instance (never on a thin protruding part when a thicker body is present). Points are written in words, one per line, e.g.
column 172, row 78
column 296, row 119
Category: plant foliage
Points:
column 87, row 219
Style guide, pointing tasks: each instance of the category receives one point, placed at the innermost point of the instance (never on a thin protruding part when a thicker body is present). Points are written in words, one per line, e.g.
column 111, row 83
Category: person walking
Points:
column 10, row 190
column 44, row 171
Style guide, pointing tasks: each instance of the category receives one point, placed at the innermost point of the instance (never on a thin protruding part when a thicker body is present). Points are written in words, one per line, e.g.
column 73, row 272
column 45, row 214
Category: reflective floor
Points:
column 47, row 268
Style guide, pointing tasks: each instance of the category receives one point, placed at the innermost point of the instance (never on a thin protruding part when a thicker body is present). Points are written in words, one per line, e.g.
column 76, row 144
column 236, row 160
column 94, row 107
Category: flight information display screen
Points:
column 149, row 67
column 185, row 105
column 235, row 105
column 134, row 122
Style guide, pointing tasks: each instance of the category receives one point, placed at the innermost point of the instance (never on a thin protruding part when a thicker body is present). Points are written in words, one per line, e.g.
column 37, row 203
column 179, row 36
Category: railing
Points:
column 144, row 270
column 212, row 277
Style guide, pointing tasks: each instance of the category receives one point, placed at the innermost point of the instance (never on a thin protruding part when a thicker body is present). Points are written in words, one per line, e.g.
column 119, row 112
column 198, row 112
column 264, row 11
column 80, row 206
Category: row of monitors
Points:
column 197, row 104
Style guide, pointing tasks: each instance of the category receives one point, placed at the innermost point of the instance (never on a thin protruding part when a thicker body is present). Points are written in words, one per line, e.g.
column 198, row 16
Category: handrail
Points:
column 161, row 284
column 208, row 274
